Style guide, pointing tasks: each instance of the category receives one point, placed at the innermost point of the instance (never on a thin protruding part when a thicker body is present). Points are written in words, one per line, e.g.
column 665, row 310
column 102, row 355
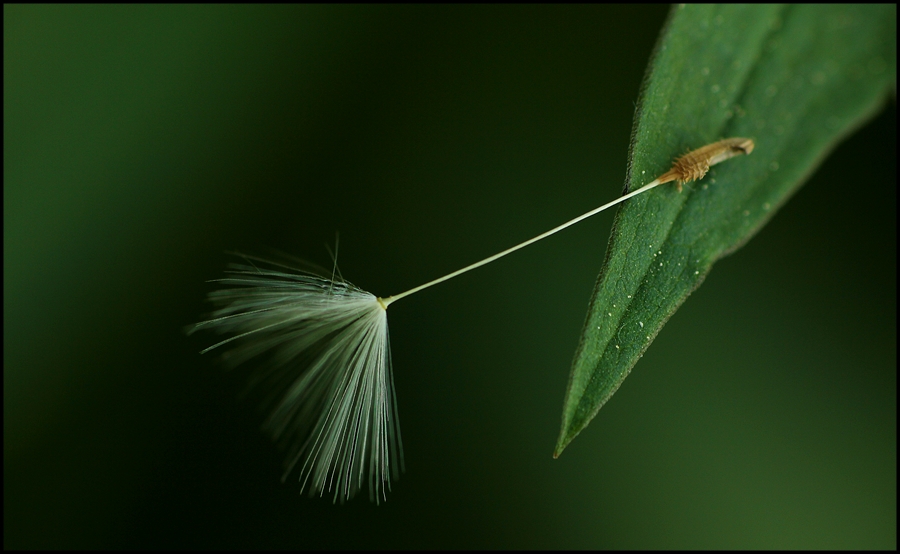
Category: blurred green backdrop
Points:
column 140, row 143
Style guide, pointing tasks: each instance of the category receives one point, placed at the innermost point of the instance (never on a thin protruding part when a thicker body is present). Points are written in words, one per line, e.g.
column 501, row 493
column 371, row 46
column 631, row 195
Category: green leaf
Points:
column 796, row 79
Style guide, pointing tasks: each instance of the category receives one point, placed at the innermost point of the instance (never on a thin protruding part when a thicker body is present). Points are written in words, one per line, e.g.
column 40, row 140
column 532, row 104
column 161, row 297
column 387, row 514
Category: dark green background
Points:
column 142, row 142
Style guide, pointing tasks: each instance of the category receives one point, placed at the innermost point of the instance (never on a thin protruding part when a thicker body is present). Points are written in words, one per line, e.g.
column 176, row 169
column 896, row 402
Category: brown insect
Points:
column 694, row 165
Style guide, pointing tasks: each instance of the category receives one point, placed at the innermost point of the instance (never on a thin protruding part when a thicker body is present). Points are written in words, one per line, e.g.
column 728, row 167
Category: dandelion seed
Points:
column 694, row 165
column 324, row 347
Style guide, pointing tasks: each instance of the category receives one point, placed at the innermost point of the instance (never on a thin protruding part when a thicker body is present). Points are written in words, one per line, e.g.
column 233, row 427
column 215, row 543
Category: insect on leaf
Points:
column 795, row 79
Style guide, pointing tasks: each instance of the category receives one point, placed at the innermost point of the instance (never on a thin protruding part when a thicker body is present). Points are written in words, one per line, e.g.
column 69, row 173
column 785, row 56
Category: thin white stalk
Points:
column 385, row 302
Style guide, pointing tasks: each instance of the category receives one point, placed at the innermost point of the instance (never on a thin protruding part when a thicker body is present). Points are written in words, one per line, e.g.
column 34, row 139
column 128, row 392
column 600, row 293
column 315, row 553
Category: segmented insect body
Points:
column 694, row 165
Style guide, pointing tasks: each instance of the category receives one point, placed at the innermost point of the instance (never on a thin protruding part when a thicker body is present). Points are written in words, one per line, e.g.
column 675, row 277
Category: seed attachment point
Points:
column 694, row 165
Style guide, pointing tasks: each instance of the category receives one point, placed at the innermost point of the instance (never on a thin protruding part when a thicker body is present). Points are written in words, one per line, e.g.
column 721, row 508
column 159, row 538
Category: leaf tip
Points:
column 562, row 443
